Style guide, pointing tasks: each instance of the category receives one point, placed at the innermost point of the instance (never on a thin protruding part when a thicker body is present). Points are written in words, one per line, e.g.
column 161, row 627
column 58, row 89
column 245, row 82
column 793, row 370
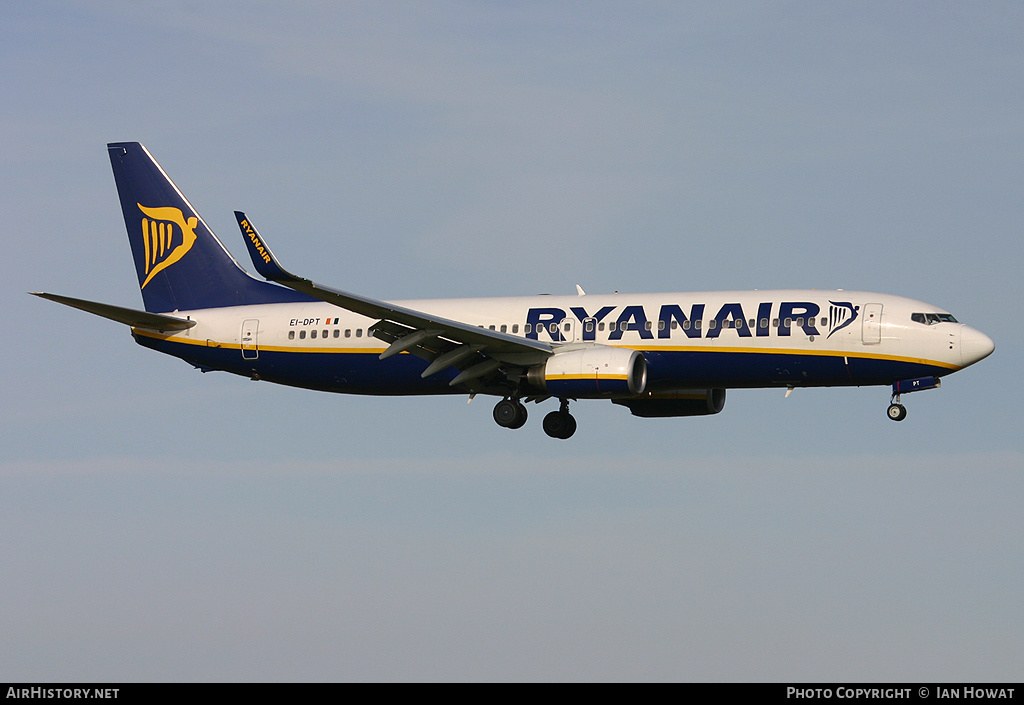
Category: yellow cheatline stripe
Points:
column 589, row 376
column 686, row 348
column 796, row 351
column 259, row 346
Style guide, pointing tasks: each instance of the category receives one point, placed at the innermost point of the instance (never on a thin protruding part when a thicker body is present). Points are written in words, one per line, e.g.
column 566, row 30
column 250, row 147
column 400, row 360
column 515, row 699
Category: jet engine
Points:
column 599, row 371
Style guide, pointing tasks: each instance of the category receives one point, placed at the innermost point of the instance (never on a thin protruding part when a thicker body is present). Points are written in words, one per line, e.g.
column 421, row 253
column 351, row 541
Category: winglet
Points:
column 262, row 258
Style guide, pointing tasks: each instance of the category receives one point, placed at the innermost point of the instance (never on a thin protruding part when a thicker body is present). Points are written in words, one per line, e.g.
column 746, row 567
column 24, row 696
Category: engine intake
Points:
column 593, row 372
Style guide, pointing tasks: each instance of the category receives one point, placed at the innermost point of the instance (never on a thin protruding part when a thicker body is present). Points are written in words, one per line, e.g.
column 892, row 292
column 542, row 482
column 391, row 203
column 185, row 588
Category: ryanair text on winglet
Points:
column 251, row 234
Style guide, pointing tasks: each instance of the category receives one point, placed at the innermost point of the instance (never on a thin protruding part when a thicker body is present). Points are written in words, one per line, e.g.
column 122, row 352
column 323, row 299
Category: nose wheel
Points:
column 896, row 411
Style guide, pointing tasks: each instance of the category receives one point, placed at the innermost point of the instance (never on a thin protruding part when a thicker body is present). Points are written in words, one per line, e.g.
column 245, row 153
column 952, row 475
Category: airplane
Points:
column 658, row 355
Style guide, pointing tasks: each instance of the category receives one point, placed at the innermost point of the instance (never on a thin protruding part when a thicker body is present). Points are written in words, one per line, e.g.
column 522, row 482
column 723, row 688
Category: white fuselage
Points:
column 712, row 339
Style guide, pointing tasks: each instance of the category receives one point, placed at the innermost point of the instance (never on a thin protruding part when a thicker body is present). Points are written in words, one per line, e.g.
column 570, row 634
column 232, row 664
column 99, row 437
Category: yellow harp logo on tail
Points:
column 163, row 243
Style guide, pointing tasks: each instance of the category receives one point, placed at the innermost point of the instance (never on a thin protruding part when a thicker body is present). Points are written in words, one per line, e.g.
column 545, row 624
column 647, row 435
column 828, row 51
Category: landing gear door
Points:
column 871, row 328
column 250, row 328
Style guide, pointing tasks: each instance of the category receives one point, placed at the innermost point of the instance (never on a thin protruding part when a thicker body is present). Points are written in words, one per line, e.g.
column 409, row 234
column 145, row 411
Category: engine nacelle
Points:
column 680, row 402
column 593, row 372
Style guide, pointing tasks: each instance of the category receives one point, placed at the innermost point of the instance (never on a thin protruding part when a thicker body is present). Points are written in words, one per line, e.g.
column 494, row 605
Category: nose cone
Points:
column 974, row 345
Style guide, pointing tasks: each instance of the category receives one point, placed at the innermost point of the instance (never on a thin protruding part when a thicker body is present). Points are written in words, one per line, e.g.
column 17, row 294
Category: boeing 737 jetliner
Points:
column 658, row 355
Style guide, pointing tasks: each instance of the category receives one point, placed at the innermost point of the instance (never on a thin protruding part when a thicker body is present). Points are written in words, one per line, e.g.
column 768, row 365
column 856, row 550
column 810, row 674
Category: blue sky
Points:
column 162, row 524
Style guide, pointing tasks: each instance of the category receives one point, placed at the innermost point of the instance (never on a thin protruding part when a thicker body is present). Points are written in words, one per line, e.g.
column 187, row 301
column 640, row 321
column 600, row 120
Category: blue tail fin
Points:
column 180, row 262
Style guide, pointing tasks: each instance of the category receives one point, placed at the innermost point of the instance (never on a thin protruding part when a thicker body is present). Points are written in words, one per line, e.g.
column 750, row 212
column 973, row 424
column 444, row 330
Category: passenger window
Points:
column 600, row 326
column 528, row 328
column 291, row 335
column 359, row 332
column 712, row 324
column 515, row 327
column 302, row 335
column 661, row 325
column 675, row 324
column 800, row 322
column 686, row 324
column 337, row 332
column 491, row 327
column 647, row 325
column 753, row 323
column 764, row 322
column 348, row 332
column 325, row 333
column 504, row 328
column 697, row 324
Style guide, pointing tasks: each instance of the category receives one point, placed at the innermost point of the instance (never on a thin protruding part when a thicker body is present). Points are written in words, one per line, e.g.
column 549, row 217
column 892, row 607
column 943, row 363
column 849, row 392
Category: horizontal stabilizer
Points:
column 128, row 316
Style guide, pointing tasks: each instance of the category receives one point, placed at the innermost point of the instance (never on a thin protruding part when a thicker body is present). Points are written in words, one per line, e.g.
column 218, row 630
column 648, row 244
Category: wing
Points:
column 476, row 352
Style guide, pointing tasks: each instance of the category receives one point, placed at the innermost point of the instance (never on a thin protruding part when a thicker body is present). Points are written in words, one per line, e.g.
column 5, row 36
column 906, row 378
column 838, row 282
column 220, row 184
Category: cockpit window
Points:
column 930, row 319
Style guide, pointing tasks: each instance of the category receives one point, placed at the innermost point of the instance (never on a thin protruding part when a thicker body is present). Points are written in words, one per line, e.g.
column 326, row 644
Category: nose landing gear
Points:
column 896, row 411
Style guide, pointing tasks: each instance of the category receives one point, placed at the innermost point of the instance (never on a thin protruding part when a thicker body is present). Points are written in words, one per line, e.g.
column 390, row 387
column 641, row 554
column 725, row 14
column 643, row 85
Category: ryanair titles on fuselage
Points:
column 781, row 318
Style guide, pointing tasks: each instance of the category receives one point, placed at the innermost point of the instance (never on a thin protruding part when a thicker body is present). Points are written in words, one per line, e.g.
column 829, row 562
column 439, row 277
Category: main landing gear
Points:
column 560, row 424
column 510, row 413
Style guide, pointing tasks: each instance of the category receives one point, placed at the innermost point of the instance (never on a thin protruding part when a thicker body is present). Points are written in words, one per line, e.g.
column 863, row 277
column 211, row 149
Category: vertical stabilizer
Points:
column 180, row 262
